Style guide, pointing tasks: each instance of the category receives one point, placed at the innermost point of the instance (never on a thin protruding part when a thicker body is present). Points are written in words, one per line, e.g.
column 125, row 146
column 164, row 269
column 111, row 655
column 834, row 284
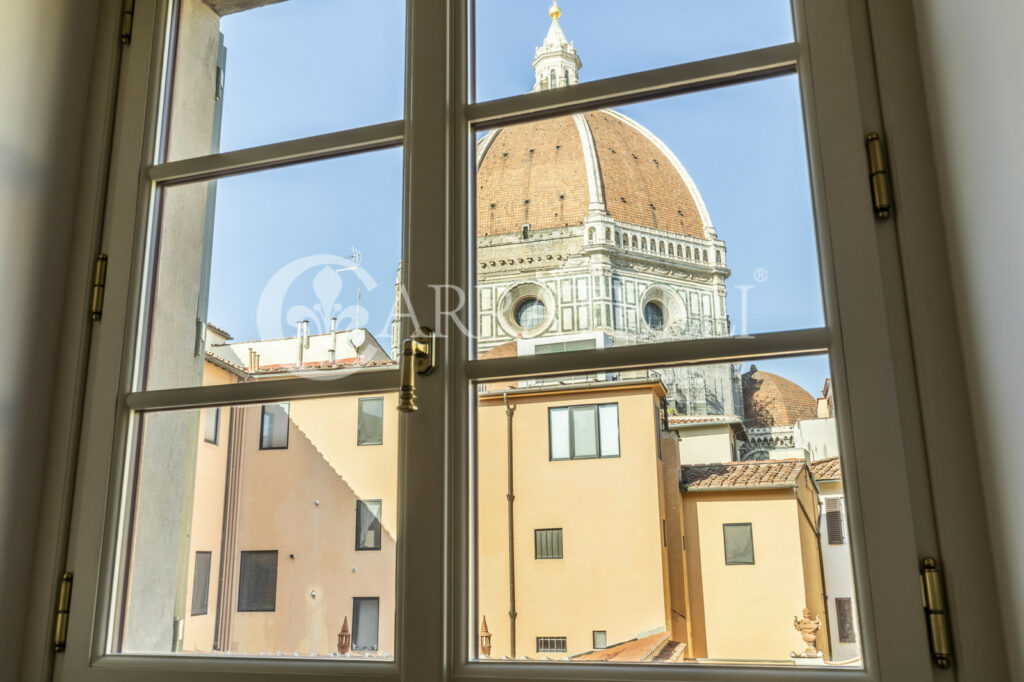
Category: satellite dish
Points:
column 357, row 337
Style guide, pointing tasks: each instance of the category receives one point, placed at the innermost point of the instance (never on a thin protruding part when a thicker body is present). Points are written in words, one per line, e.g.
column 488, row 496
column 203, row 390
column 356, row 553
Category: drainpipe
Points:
column 509, row 411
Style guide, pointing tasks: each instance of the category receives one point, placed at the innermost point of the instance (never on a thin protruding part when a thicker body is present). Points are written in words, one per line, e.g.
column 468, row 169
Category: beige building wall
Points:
column 734, row 615
column 612, row 576
column 301, row 502
column 706, row 444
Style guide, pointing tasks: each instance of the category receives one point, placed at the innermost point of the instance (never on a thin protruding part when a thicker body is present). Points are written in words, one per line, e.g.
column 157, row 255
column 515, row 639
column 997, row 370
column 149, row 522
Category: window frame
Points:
column 537, row 542
column 365, row 505
column 425, row 66
column 206, row 584
column 725, row 544
column 572, row 431
column 287, row 429
column 243, row 574
column 554, row 645
column 355, row 622
column 359, row 418
column 216, row 428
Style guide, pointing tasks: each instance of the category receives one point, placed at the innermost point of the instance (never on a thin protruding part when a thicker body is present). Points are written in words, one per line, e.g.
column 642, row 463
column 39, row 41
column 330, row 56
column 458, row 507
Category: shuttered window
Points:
column 834, row 520
column 551, row 645
column 844, row 615
column 547, row 543
column 201, row 584
column 257, row 581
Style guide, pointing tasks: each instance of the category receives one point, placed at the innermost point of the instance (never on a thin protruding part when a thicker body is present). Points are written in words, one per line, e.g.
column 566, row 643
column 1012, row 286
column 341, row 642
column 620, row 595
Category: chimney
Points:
column 302, row 342
column 334, row 339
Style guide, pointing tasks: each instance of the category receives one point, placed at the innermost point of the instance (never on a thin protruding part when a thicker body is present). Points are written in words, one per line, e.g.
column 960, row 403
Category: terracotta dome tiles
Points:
column 771, row 400
column 532, row 173
column 536, row 173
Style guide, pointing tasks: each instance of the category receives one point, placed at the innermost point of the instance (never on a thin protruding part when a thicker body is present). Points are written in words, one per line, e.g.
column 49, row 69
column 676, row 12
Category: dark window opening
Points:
column 257, row 581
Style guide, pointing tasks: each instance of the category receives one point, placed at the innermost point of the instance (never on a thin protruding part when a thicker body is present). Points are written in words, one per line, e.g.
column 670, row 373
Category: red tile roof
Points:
column 742, row 475
column 827, row 469
column 634, row 650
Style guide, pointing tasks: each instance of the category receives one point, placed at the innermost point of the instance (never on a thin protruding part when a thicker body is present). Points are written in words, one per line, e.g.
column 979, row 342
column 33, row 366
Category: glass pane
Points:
column 237, row 550
column 705, row 556
column 534, row 45
column 678, row 218
column 252, row 72
column 559, row 433
column 609, row 415
column 283, row 271
column 584, row 431
column 371, row 421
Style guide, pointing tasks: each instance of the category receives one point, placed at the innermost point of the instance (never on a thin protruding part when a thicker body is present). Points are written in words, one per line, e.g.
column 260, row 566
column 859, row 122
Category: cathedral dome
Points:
column 771, row 400
column 555, row 172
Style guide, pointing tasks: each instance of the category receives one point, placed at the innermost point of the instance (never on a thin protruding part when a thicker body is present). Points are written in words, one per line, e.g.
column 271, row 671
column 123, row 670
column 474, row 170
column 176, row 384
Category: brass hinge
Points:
column 60, row 624
column 933, row 595
column 127, row 21
column 879, row 176
column 99, row 284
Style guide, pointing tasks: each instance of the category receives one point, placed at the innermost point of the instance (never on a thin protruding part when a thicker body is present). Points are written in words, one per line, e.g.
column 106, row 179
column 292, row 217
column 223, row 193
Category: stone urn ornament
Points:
column 808, row 629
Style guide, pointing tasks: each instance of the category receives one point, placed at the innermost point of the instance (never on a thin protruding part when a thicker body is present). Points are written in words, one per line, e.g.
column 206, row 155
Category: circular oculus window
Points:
column 654, row 316
column 530, row 313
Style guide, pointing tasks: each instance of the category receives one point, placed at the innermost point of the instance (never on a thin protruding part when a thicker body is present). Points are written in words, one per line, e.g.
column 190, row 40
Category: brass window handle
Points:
column 417, row 358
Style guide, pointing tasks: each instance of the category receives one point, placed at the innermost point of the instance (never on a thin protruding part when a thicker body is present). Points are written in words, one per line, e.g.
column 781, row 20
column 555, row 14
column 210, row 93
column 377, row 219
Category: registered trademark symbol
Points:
column 760, row 275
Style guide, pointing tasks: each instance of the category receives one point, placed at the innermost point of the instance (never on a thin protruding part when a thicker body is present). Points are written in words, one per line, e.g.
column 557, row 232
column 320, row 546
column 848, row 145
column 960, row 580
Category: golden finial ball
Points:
column 554, row 12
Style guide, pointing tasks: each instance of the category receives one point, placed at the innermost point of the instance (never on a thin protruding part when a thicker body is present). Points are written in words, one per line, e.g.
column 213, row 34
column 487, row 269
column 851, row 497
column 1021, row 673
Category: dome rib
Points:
column 593, row 165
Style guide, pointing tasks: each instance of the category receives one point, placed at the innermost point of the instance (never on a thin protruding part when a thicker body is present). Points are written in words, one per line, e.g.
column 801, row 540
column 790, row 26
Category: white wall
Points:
column 973, row 58
column 46, row 49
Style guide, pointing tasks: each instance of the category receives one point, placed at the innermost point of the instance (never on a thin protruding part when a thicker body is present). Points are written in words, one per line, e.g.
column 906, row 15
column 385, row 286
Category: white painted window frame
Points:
column 435, row 594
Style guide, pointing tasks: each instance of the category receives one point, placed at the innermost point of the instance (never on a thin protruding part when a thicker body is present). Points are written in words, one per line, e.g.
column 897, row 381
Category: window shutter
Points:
column 844, row 614
column 834, row 520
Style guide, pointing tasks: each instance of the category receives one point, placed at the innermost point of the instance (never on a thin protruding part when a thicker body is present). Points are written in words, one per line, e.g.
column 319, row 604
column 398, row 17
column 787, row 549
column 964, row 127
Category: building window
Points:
column 844, row 614
column 201, row 584
column 257, row 581
column 654, row 316
column 530, row 313
column 564, row 346
column 274, row 427
column 583, row 431
column 834, row 520
column 368, row 524
column 547, row 543
column 551, row 645
column 600, row 639
column 370, row 430
column 365, row 617
column 739, row 544
column 211, row 429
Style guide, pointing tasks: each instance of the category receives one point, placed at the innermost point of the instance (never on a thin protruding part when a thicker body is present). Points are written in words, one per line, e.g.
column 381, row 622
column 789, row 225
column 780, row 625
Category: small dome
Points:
column 771, row 400
column 553, row 172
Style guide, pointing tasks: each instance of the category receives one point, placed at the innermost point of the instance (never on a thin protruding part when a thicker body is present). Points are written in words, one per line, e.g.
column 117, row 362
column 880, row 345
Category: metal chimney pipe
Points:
column 256, row 360
column 305, row 332
column 298, row 354
column 252, row 359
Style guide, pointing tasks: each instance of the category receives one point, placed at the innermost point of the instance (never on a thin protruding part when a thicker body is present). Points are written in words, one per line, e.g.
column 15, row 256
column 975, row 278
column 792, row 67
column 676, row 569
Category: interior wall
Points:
column 46, row 50
column 973, row 56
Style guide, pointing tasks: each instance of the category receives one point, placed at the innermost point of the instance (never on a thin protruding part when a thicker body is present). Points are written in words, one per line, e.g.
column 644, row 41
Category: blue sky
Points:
column 306, row 67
